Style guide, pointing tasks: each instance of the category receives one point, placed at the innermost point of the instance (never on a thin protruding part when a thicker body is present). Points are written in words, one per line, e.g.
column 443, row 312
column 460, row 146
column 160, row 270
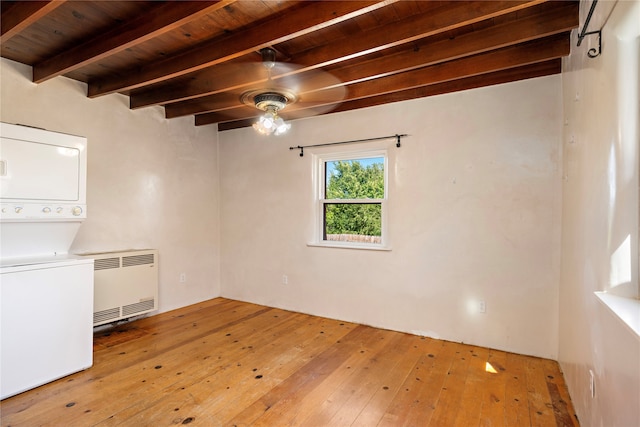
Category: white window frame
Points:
column 319, row 161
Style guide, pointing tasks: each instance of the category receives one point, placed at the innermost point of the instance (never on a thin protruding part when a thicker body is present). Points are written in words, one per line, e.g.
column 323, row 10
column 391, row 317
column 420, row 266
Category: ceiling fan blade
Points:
column 313, row 91
column 314, row 86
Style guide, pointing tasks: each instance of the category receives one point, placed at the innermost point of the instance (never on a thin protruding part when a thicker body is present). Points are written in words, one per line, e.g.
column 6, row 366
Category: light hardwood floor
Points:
column 224, row 362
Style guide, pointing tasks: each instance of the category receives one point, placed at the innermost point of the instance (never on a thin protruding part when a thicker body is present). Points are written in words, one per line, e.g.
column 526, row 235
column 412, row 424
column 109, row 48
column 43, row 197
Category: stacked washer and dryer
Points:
column 46, row 294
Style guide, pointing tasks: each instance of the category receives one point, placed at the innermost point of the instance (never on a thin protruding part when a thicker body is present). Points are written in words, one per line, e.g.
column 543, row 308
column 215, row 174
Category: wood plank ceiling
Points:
column 201, row 58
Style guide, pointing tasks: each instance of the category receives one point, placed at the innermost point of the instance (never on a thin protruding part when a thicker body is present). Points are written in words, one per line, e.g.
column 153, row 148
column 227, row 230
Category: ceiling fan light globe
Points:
column 267, row 122
column 261, row 126
column 282, row 128
column 258, row 128
column 270, row 123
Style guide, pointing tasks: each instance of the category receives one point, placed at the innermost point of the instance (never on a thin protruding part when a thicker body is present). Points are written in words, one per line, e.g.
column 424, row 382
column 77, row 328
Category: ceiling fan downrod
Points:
column 268, row 57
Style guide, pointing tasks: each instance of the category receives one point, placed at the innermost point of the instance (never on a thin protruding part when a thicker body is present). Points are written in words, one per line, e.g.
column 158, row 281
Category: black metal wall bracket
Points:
column 593, row 52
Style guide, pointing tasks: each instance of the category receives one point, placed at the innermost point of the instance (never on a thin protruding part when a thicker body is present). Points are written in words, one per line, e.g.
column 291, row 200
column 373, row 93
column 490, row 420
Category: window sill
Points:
column 339, row 245
column 626, row 309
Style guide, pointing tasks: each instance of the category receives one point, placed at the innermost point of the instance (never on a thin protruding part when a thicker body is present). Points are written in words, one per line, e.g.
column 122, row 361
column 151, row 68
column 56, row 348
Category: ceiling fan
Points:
column 286, row 86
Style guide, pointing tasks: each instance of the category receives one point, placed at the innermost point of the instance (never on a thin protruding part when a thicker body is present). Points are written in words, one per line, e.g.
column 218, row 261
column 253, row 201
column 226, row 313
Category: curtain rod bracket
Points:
column 298, row 147
column 396, row 136
column 593, row 52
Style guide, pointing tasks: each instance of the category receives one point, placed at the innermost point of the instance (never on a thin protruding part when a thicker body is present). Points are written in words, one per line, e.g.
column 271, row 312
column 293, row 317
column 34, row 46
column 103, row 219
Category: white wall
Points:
column 474, row 214
column 600, row 213
column 152, row 183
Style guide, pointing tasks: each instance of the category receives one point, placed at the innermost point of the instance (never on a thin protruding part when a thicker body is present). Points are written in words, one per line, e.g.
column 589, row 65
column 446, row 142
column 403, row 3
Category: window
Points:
column 352, row 197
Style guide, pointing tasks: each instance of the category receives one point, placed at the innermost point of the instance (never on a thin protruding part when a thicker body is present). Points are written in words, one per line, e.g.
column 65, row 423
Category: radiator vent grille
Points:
column 125, row 284
column 106, row 263
column 129, row 261
column 142, row 306
column 106, row 315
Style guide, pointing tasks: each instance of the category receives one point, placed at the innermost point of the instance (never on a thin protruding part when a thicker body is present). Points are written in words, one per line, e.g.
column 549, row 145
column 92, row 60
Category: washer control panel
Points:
column 44, row 212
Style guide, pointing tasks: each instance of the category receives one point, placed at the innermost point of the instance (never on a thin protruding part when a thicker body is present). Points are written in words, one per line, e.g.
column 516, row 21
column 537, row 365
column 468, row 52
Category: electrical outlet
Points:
column 482, row 307
column 285, row 279
column 183, row 277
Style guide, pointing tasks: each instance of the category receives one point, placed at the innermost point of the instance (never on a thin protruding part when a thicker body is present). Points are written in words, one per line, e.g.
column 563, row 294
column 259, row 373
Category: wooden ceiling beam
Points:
column 506, row 58
column 499, row 77
column 539, row 69
column 192, row 86
column 16, row 16
column 304, row 20
column 456, row 15
column 528, row 53
column 217, row 102
column 550, row 22
column 158, row 20
column 404, row 31
column 558, row 20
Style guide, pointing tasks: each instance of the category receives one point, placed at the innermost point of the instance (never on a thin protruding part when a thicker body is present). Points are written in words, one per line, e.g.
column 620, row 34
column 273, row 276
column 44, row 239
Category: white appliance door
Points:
column 46, row 323
column 34, row 171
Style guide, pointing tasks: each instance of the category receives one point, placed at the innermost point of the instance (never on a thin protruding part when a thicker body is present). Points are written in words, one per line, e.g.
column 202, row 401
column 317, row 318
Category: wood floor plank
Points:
column 562, row 407
column 517, row 404
column 313, row 408
column 469, row 412
column 255, row 373
column 493, row 396
column 379, row 404
column 306, row 379
column 225, row 362
column 431, row 390
column 540, row 405
column 354, row 395
column 212, row 367
column 416, row 395
column 450, row 400
column 357, row 374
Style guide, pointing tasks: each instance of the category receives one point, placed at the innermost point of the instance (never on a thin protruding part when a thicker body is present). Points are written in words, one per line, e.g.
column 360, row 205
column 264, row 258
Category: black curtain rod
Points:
column 593, row 52
column 396, row 137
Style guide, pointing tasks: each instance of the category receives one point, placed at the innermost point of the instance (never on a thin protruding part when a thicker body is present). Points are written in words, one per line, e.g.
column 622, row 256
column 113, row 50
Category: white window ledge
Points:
column 626, row 309
column 349, row 246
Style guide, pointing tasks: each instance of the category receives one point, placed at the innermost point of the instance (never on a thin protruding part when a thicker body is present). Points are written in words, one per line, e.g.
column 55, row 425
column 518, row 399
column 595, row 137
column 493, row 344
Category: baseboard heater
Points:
column 125, row 284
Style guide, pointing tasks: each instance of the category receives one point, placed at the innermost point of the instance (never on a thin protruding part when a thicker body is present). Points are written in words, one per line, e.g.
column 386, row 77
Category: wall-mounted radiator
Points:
column 125, row 284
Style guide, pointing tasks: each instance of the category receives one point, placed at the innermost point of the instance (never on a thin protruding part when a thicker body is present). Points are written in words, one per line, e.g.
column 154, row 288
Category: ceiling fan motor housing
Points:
column 270, row 100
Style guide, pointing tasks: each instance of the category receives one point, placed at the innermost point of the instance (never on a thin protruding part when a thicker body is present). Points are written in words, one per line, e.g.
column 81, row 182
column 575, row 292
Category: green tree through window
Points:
column 361, row 183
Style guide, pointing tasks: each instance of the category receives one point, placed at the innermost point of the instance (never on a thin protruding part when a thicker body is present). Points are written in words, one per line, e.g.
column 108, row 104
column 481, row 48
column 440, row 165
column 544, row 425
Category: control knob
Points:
column 46, row 209
column 18, row 209
column 77, row 210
